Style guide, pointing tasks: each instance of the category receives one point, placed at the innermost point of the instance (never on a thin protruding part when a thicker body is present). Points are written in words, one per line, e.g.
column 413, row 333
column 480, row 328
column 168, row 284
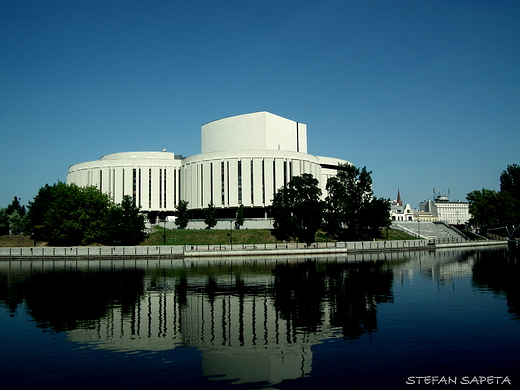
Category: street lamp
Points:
column 231, row 233
column 164, row 230
column 163, row 215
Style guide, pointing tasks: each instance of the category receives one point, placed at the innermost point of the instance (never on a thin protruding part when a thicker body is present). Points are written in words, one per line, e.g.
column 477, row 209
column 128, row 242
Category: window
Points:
column 227, row 182
column 134, row 186
column 150, row 188
column 252, row 181
column 274, row 177
column 178, row 184
column 160, row 188
column 211, row 181
column 240, row 182
column 139, row 187
column 174, row 187
column 263, row 182
column 164, row 188
column 222, row 185
column 285, row 173
column 201, row 185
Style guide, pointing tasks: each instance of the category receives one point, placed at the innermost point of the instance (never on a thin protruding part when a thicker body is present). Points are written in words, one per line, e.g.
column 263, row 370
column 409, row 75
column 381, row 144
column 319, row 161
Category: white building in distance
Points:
column 441, row 208
column 244, row 160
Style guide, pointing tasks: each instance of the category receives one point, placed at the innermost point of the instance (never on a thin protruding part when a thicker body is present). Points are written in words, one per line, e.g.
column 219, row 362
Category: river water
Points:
column 373, row 321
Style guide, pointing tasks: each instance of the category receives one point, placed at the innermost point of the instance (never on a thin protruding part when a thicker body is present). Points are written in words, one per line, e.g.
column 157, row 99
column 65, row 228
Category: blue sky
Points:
column 425, row 94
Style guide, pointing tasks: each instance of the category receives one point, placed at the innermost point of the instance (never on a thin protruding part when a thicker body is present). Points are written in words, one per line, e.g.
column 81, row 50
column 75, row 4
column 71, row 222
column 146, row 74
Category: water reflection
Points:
column 253, row 320
column 499, row 274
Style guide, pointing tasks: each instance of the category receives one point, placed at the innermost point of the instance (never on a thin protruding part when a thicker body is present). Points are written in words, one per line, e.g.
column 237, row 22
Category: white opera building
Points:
column 244, row 160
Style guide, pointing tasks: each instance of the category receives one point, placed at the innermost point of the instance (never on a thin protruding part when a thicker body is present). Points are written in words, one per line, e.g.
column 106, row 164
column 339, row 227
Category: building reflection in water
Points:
column 252, row 320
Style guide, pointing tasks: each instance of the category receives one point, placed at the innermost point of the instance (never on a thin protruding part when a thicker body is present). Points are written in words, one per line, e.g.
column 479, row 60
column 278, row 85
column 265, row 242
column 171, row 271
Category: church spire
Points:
column 399, row 201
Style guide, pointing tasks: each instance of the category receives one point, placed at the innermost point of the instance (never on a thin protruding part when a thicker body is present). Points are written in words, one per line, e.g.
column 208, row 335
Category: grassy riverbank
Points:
column 241, row 236
column 200, row 237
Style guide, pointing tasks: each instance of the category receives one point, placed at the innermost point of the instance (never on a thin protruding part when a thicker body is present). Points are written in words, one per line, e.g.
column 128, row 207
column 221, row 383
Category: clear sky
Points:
column 425, row 94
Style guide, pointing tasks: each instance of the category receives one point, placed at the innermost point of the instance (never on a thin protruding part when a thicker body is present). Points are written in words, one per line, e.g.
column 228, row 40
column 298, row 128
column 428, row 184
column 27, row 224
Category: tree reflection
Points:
column 499, row 272
column 352, row 291
column 69, row 300
column 355, row 290
column 298, row 294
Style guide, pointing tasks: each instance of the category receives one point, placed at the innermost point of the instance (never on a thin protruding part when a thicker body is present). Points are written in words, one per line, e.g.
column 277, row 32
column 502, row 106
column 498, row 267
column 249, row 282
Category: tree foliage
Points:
column 13, row 218
column 65, row 215
column 239, row 217
column 68, row 215
column 297, row 209
column 484, row 206
column 351, row 211
column 494, row 209
column 4, row 222
column 181, row 214
column 209, row 216
column 510, row 181
column 124, row 224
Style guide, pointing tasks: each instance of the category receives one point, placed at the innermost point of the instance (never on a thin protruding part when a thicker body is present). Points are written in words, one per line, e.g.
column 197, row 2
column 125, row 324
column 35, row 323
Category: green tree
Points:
column 510, row 181
column 209, row 216
column 297, row 209
column 17, row 223
column 68, row 215
column 239, row 218
column 13, row 219
column 496, row 209
column 181, row 214
column 351, row 211
column 15, row 206
column 510, row 195
column 485, row 208
column 283, row 222
column 124, row 224
column 4, row 222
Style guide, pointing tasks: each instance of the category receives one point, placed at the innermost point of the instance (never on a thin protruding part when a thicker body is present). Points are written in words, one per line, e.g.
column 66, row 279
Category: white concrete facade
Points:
column 453, row 213
column 251, row 178
column 152, row 179
column 259, row 130
column 245, row 159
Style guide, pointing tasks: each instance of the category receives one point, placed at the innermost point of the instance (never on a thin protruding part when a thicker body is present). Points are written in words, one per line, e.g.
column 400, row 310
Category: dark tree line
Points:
column 65, row 215
column 349, row 212
column 495, row 209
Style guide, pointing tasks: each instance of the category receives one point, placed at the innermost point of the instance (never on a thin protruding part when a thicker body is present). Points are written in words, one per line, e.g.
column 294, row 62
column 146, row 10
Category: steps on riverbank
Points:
column 430, row 230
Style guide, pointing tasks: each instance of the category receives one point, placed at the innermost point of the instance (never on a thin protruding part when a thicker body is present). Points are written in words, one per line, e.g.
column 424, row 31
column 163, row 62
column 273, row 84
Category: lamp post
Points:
column 163, row 215
column 231, row 233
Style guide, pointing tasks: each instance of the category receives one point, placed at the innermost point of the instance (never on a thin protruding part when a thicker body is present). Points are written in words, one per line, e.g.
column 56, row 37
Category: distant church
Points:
column 398, row 212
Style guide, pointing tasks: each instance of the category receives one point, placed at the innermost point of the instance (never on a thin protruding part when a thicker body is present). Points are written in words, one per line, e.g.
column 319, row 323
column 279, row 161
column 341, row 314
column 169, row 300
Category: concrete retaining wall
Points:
column 194, row 251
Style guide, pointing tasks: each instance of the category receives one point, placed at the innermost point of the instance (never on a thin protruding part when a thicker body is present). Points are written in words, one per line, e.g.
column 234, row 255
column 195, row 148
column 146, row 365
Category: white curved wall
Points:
column 248, row 177
column 151, row 178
